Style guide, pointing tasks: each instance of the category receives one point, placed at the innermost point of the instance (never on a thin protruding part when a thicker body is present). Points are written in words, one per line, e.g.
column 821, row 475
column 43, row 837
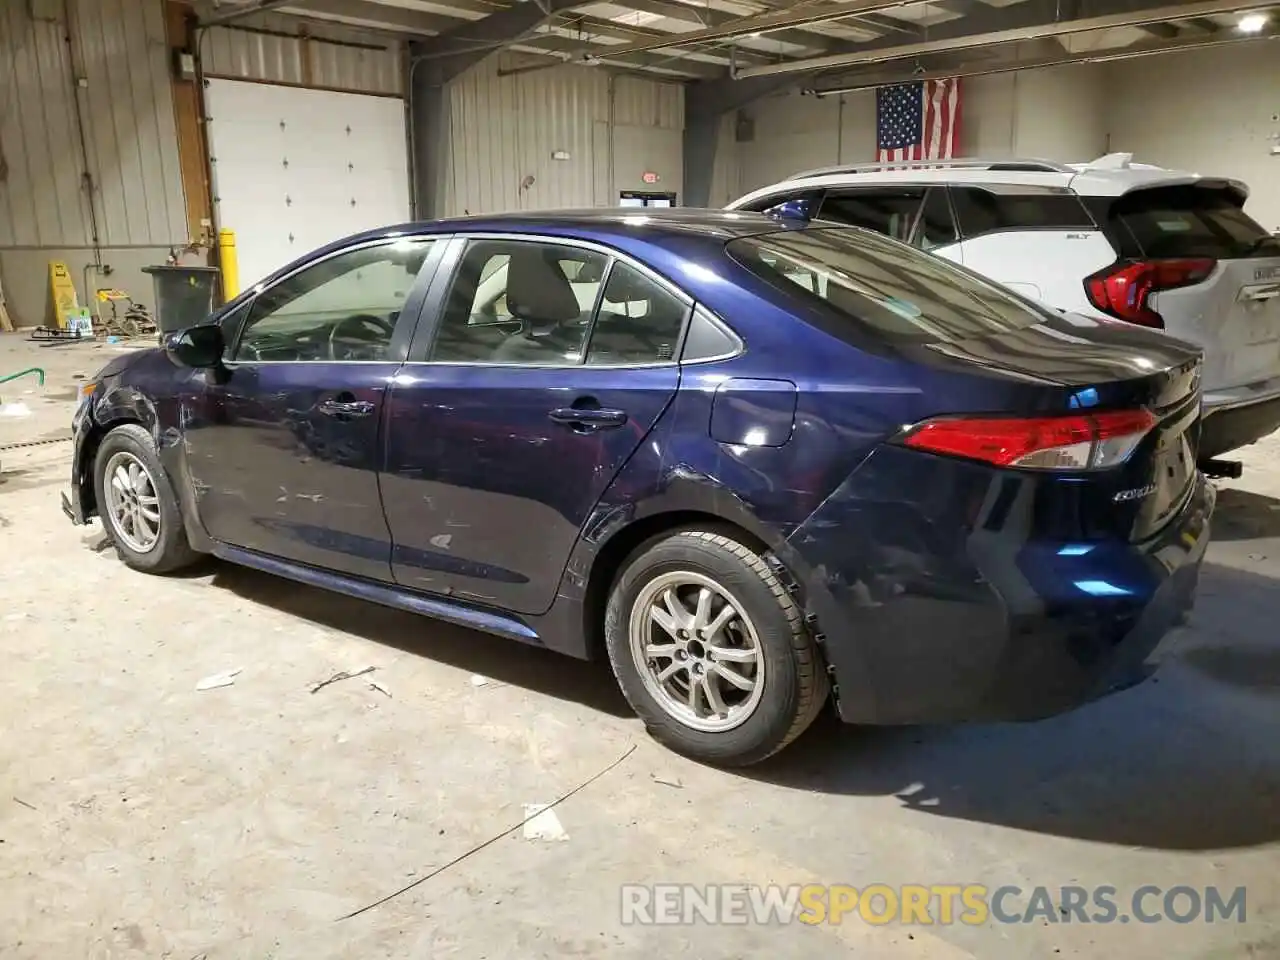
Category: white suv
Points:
column 1109, row 239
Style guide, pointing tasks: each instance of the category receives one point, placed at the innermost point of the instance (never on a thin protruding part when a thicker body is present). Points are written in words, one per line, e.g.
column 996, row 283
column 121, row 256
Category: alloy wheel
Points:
column 697, row 651
column 132, row 502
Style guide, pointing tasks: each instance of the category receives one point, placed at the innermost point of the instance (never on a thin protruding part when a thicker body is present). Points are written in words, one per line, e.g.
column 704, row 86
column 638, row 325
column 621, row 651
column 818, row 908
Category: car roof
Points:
column 606, row 224
column 1109, row 176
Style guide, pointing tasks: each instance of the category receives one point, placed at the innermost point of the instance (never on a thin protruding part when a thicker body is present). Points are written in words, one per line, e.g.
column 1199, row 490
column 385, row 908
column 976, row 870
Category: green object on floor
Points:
column 38, row 371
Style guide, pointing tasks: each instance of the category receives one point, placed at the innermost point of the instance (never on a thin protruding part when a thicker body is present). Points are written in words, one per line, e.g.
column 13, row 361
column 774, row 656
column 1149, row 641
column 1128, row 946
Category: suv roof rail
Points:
column 1029, row 165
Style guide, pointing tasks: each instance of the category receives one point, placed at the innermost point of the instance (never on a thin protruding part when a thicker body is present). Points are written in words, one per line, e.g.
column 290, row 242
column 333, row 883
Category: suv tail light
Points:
column 1124, row 288
column 1074, row 442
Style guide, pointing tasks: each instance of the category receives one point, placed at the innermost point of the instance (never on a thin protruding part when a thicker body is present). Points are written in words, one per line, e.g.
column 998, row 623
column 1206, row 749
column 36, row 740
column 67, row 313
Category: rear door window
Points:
column 937, row 226
column 856, row 282
column 1188, row 221
column 638, row 320
column 995, row 210
column 893, row 212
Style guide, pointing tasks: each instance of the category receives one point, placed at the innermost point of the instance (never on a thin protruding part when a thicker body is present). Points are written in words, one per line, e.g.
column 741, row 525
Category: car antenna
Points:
column 790, row 210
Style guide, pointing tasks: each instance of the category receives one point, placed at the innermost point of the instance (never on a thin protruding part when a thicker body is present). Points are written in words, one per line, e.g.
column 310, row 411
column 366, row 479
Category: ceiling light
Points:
column 756, row 36
column 1252, row 23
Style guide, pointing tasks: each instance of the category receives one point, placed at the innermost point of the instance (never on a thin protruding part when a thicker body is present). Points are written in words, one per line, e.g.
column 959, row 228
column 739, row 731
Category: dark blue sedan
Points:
column 759, row 463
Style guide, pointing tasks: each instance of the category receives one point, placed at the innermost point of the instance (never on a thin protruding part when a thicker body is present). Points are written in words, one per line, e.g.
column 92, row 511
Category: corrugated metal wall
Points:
column 269, row 48
column 505, row 132
column 126, row 102
column 644, row 103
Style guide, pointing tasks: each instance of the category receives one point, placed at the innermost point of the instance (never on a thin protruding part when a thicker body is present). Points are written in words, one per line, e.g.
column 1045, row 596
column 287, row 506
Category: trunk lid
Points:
column 1072, row 364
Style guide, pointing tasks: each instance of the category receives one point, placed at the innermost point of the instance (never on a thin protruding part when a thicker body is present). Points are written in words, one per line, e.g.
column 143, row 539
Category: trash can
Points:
column 184, row 295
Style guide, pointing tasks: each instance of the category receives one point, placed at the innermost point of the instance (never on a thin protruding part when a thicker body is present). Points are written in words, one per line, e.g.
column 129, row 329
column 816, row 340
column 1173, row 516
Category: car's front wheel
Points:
column 137, row 504
column 710, row 649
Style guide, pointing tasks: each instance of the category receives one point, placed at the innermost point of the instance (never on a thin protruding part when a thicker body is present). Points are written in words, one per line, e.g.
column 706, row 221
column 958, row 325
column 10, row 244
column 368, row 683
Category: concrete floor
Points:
column 141, row 818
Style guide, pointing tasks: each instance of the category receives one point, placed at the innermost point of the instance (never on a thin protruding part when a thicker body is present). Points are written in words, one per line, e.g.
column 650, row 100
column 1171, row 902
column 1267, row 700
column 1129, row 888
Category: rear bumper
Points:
column 928, row 617
column 1236, row 418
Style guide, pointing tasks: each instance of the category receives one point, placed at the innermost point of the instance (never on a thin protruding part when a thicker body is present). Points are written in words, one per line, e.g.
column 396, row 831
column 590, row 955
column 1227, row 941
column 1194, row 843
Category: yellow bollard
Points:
column 227, row 263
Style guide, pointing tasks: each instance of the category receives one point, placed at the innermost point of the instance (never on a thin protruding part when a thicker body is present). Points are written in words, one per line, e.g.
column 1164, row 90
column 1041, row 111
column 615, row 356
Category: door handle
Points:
column 347, row 408
column 587, row 418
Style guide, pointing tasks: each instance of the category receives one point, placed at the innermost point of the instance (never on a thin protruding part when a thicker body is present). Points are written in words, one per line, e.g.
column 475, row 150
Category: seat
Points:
column 542, row 299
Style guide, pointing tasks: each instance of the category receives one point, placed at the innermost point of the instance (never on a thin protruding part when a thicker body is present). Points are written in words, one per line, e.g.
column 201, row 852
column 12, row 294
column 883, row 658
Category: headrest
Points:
column 626, row 285
column 591, row 271
column 537, row 290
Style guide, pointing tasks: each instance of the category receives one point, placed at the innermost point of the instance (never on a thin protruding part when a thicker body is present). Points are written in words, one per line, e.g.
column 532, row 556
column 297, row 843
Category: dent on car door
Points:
column 504, row 431
column 283, row 446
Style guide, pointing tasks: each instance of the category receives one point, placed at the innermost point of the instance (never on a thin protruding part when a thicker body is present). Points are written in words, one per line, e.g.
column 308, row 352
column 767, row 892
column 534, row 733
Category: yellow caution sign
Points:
column 65, row 303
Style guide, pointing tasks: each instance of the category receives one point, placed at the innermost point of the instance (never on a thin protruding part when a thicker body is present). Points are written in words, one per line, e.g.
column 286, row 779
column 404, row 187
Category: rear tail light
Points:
column 1075, row 442
column 1123, row 289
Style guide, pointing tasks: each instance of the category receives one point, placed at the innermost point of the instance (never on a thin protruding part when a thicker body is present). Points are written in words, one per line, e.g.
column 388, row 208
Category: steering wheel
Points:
column 361, row 324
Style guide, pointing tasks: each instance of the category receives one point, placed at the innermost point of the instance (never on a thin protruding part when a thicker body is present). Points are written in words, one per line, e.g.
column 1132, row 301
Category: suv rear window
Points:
column 982, row 211
column 858, row 280
column 1187, row 221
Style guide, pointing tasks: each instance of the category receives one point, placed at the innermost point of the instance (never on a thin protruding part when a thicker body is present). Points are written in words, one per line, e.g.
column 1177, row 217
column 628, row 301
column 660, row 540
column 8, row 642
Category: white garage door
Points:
column 296, row 168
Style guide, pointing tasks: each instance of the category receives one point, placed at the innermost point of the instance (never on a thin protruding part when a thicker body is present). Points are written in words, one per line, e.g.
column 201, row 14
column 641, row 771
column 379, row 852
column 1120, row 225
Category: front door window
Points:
column 343, row 308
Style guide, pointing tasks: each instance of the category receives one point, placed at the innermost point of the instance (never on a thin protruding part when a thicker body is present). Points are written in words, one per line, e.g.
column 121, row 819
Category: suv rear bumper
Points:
column 931, row 613
column 1238, row 417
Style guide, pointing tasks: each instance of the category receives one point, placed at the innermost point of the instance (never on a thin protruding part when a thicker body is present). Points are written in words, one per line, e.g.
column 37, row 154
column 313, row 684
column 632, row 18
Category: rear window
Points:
column 982, row 211
column 858, row 280
column 1190, row 222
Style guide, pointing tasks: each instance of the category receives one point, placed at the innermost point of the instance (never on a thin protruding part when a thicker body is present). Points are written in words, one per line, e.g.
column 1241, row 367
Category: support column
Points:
column 701, row 144
column 705, row 103
column 429, row 116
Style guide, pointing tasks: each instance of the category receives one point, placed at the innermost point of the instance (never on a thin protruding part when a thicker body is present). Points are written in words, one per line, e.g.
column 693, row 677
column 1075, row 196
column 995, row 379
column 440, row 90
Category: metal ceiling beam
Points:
column 1165, row 31
column 942, row 66
column 1024, row 21
column 374, row 16
column 709, row 17
column 886, row 24
column 461, row 48
column 596, row 27
column 801, row 15
column 1204, row 24
column 573, row 51
column 247, row 10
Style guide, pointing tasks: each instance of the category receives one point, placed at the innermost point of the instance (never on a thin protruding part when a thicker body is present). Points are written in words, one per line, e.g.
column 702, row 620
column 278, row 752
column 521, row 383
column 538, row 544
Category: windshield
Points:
column 1191, row 222
column 887, row 288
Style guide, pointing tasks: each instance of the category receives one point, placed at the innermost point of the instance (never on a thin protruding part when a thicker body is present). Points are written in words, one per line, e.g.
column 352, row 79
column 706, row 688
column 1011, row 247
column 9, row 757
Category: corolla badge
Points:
column 1124, row 496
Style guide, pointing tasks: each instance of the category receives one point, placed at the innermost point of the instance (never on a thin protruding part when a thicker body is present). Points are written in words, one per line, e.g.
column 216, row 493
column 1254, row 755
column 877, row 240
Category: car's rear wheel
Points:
column 136, row 502
column 710, row 649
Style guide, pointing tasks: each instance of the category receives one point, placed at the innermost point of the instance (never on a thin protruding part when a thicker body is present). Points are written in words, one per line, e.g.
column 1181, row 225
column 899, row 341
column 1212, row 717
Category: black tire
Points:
column 795, row 682
column 171, row 551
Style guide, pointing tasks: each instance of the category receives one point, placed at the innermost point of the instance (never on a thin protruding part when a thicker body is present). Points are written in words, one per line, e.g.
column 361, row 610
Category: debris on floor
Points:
column 478, row 681
column 224, row 679
column 533, row 812
column 341, row 675
column 542, row 823
column 375, row 685
column 673, row 782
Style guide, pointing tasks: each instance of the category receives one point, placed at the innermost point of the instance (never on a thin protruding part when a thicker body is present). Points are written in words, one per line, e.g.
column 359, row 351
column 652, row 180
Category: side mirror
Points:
column 199, row 347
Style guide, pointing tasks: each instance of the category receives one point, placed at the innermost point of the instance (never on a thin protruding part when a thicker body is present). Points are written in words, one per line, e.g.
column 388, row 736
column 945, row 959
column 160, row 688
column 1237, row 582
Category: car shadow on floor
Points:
column 552, row 674
column 1189, row 760
column 1244, row 515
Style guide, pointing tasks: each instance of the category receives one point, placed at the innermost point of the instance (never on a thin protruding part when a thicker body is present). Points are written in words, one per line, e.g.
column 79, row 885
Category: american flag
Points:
column 918, row 121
